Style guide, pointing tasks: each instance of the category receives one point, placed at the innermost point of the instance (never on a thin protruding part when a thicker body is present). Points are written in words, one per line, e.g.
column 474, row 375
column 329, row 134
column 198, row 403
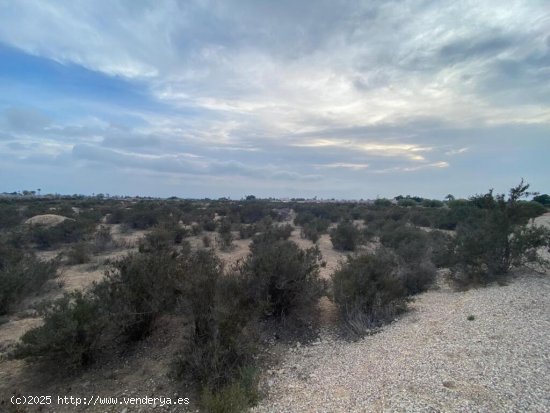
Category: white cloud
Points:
column 258, row 84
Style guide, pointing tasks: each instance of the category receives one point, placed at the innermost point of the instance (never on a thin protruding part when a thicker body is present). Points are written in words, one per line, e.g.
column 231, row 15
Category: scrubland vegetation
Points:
column 227, row 310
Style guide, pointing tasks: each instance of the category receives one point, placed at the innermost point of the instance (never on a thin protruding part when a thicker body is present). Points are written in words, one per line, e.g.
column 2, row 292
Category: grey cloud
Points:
column 463, row 49
column 183, row 164
column 131, row 140
column 25, row 120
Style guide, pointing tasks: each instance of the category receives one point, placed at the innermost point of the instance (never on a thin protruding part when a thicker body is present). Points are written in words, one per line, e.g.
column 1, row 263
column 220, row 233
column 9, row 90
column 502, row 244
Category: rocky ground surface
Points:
column 436, row 358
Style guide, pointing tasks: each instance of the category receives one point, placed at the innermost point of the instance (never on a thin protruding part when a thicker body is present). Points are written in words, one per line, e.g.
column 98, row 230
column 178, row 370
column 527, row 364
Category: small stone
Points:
column 449, row 384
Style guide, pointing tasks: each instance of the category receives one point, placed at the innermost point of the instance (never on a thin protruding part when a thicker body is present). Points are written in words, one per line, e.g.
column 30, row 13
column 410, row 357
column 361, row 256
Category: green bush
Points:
column 369, row 291
column 543, row 199
column 68, row 231
column 70, row 336
column 441, row 248
column 284, row 278
column 382, row 203
column 9, row 216
column 225, row 236
column 78, row 254
column 273, row 233
column 345, row 236
column 310, row 232
column 162, row 238
column 220, row 352
column 103, row 240
column 407, row 202
column 497, row 239
column 209, row 225
column 138, row 289
column 413, row 250
column 21, row 275
column 235, row 397
column 432, row 203
column 313, row 228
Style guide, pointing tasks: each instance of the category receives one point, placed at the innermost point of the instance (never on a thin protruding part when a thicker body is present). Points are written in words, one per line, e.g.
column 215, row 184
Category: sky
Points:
column 286, row 98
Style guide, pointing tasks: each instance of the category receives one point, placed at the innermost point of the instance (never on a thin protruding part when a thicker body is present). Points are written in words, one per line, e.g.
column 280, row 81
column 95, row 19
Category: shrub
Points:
column 220, row 351
column 412, row 248
column 225, row 237
column 313, row 229
column 310, row 232
column 543, row 199
column 368, row 290
column 21, row 275
column 284, row 278
column 78, row 254
column 420, row 218
column 345, row 236
column 406, row 202
column 68, row 231
column 206, row 242
column 137, row 289
column 273, row 233
column 141, row 216
column 235, row 397
column 196, row 229
column 103, row 240
column 417, row 276
column 382, row 202
column 441, row 248
column 432, row 203
column 70, row 335
column 9, row 216
column 209, row 225
column 497, row 239
column 247, row 231
column 162, row 238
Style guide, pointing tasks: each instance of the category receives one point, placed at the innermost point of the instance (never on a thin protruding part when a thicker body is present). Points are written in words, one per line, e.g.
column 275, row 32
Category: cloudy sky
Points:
column 341, row 99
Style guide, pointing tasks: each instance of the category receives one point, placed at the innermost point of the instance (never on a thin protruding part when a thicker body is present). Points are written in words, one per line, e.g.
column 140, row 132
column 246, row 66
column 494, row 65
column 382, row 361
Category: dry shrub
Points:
column 369, row 291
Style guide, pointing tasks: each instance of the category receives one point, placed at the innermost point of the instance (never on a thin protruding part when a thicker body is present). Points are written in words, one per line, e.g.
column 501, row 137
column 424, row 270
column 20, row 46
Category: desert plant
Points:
column 9, row 216
column 103, row 240
column 78, row 254
column 21, row 274
column 369, row 291
column 137, row 289
column 345, row 236
column 70, row 335
column 284, row 278
column 441, row 248
column 225, row 236
column 221, row 349
column 543, row 199
column 235, row 397
column 68, row 231
column 486, row 248
column 196, row 229
column 162, row 238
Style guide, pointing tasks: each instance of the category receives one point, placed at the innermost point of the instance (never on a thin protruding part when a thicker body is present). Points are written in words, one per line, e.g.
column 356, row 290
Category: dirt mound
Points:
column 48, row 220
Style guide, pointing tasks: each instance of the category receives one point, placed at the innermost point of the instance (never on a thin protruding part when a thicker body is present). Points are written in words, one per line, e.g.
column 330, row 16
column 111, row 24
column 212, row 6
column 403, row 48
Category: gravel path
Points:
column 432, row 360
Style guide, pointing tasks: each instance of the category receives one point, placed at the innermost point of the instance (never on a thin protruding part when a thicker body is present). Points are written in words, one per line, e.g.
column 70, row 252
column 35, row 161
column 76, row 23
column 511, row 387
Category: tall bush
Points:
column 345, row 236
column 487, row 247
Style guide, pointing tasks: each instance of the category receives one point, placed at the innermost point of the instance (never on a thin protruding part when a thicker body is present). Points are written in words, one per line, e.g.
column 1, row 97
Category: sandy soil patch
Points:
column 47, row 220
